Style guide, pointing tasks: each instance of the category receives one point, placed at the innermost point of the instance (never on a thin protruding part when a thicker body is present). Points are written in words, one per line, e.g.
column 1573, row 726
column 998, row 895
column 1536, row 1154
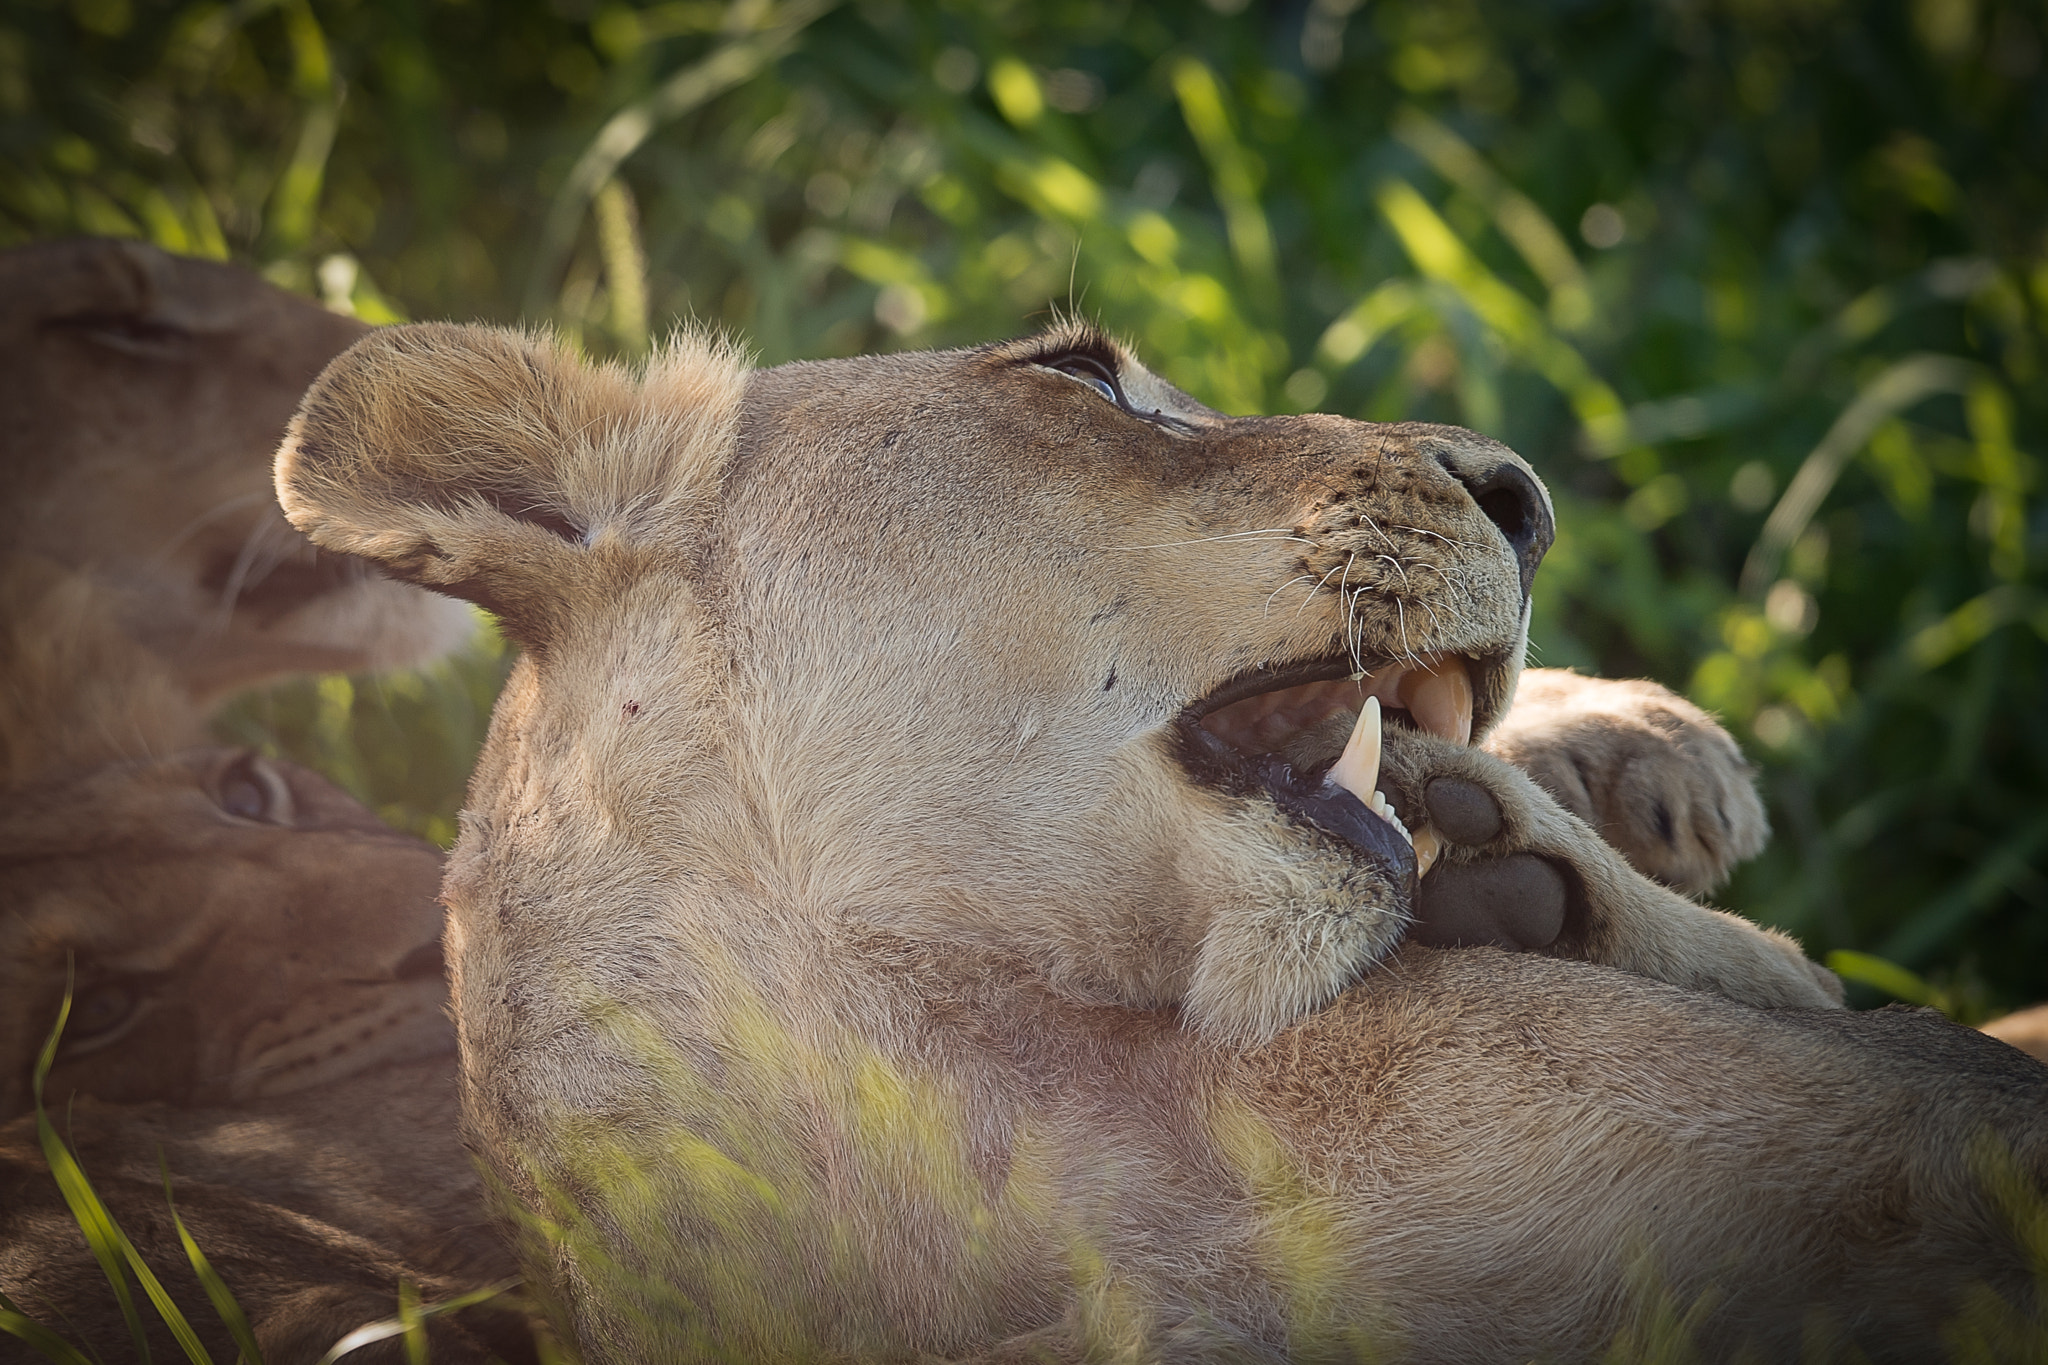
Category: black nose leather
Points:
column 1511, row 500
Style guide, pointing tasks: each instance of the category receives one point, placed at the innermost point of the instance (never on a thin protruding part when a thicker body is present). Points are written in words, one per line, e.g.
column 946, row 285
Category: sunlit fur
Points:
column 846, row 963
column 146, row 572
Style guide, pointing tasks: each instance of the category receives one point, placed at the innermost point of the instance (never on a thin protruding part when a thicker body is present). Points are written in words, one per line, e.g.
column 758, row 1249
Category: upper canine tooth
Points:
column 1357, row 769
column 1440, row 698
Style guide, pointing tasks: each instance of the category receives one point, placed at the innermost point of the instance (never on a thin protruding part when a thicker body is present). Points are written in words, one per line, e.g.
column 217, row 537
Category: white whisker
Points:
column 1267, row 533
column 243, row 572
column 1421, row 531
column 1316, row 589
column 1283, row 588
column 1447, row 582
column 1351, row 641
column 223, row 508
column 1407, row 648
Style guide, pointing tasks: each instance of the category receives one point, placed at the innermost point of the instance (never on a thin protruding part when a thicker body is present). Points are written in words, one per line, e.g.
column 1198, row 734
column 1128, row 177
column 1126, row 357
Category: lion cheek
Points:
column 1301, row 924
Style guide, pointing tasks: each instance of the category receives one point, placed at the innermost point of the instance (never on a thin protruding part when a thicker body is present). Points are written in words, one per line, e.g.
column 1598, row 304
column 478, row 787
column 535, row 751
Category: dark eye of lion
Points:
column 251, row 789
column 135, row 334
column 97, row 1011
column 1093, row 374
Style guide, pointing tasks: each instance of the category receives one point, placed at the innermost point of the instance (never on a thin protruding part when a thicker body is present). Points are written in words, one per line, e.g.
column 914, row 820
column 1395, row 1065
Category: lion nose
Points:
column 1508, row 495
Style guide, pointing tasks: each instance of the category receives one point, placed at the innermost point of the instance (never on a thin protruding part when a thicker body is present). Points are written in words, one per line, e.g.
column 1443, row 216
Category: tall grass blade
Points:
column 92, row 1216
column 1897, row 388
column 409, row 1319
column 166, row 1307
column 110, row 1246
column 216, row 1289
column 1883, row 974
column 41, row 1338
column 1920, row 936
column 415, row 1333
column 732, row 64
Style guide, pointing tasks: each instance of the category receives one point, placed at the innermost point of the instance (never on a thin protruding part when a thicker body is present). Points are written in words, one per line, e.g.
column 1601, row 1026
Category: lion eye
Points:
column 99, row 1010
column 1092, row 374
column 251, row 789
column 151, row 338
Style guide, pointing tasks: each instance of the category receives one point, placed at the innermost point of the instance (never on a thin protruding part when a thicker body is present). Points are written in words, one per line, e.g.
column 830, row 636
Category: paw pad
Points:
column 1517, row 902
column 1461, row 811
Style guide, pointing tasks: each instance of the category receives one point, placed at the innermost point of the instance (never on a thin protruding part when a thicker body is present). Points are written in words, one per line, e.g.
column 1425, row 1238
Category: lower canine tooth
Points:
column 1357, row 769
column 1427, row 846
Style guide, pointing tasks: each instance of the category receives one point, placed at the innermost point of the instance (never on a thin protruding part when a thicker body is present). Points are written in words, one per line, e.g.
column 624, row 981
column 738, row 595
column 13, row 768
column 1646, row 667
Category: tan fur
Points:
column 1649, row 771
column 2025, row 1029
column 258, row 1009
column 146, row 571
column 846, row 959
column 218, row 957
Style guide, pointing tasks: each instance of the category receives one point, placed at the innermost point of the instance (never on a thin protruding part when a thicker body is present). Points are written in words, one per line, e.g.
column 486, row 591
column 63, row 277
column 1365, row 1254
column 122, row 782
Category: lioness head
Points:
column 147, row 571
column 1018, row 647
column 236, row 928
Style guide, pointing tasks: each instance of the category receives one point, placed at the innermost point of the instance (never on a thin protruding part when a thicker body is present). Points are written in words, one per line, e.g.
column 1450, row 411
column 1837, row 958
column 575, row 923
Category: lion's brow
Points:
column 1074, row 336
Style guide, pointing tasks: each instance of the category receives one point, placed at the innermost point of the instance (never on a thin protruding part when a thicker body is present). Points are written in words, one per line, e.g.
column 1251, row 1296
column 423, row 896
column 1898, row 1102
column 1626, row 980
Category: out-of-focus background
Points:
column 1759, row 286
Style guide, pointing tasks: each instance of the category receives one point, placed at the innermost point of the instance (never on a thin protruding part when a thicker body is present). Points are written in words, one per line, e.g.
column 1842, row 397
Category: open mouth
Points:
column 1432, row 692
column 1309, row 736
column 270, row 590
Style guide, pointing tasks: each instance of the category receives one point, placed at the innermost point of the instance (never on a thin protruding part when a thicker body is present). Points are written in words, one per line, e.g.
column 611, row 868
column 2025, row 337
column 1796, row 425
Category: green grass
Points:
column 630, row 1184
column 119, row 1259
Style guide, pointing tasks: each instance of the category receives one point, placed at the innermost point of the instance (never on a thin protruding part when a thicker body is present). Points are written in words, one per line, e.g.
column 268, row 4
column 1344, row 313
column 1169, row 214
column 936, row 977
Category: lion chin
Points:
column 949, row 875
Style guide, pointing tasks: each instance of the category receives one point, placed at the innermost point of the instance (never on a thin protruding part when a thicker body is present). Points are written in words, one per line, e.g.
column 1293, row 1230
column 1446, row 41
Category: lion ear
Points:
column 485, row 463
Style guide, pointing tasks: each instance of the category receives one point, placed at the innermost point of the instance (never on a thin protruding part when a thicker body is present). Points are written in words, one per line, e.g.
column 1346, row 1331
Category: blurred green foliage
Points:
column 1759, row 287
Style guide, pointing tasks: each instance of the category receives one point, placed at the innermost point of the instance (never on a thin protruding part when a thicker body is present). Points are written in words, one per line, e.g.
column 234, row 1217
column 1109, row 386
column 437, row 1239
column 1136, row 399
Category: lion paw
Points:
column 1652, row 773
column 1516, row 871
